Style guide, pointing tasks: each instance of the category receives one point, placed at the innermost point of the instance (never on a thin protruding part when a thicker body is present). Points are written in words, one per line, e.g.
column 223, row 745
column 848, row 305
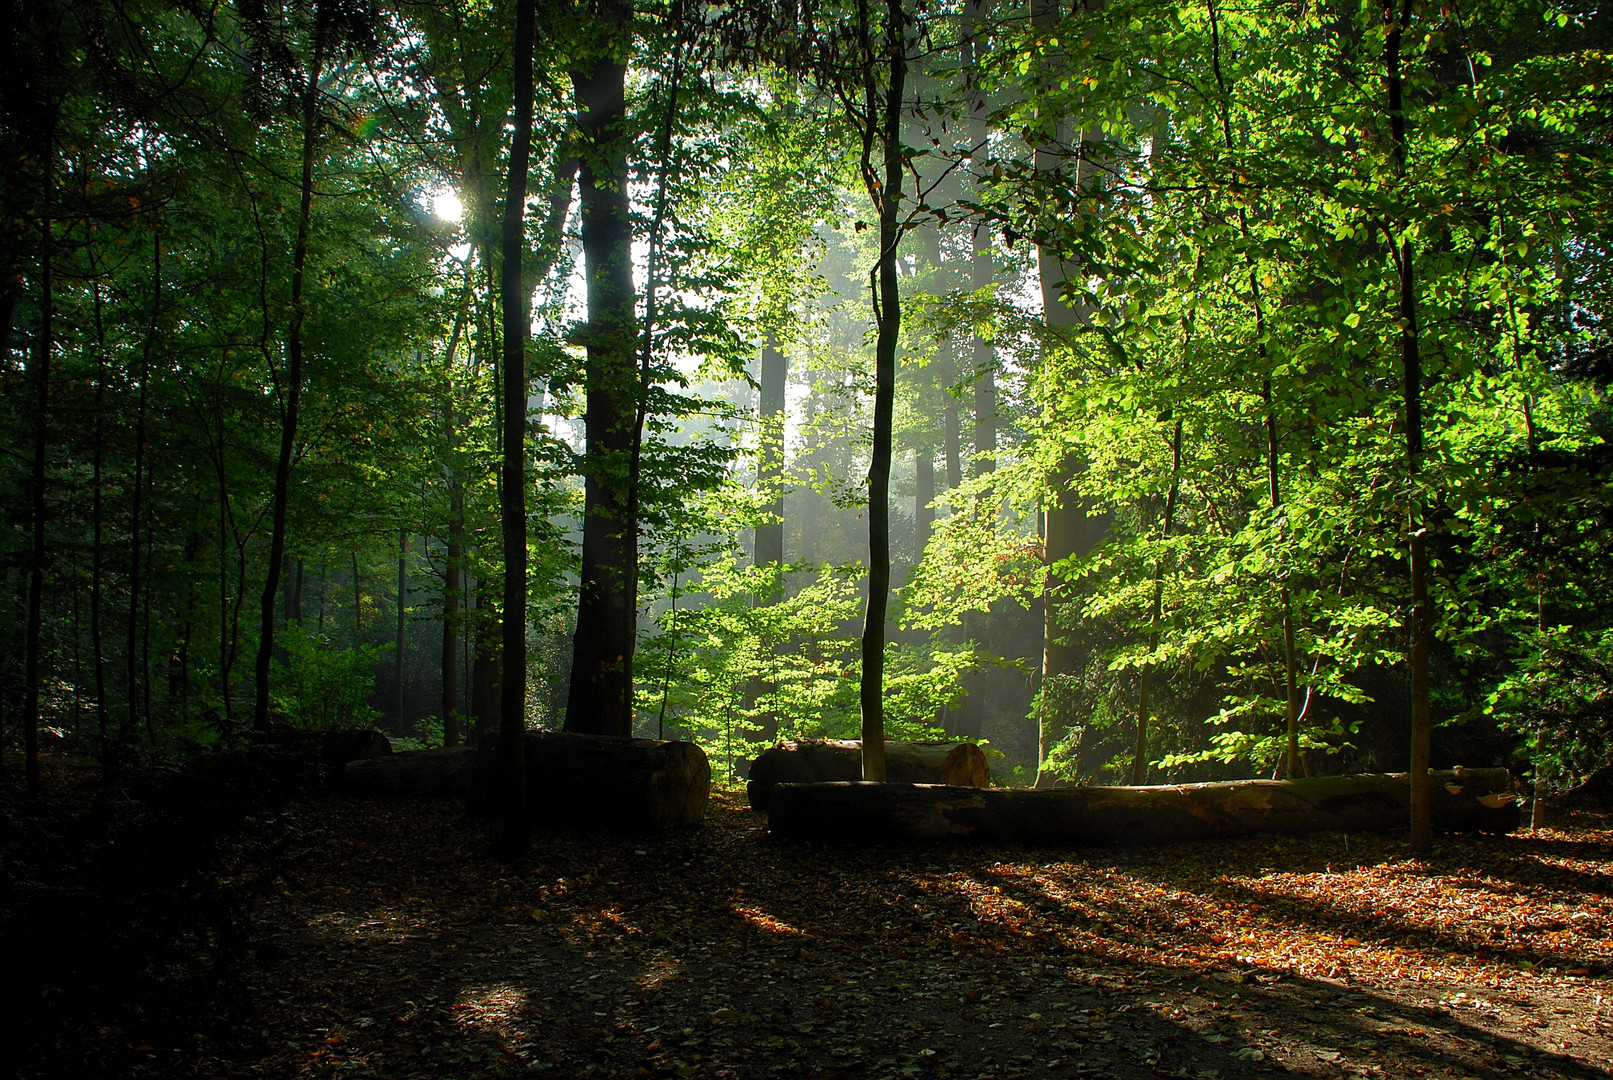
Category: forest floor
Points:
column 382, row 941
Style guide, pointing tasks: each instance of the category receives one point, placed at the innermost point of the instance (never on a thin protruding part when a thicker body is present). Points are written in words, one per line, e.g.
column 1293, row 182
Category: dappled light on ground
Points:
column 395, row 948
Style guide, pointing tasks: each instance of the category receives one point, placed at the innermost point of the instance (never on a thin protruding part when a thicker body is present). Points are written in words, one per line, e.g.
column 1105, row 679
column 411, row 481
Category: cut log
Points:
column 1465, row 800
column 604, row 782
column 332, row 749
column 961, row 764
column 573, row 781
column 441, row 773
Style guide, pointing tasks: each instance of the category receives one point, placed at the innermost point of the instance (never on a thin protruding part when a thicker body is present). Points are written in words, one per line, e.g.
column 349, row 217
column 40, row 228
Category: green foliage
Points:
column 1559, row 700
column 320, row 688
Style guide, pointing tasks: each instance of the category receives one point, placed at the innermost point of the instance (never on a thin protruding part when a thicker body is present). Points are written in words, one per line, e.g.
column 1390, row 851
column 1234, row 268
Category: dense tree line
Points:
column 1159, row 389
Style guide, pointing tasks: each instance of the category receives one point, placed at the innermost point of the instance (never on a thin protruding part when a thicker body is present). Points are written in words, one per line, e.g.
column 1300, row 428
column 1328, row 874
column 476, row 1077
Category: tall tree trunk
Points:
column 97, row 549
column 1420, row 628
column 951, row 448
column 1285, row 593
column 451, row 573
column 44, row 347
column 1145, row 675
column 450, row 609
column 600, row 697
column 358, row 604
column 769, row 535
column 1064, row 650
column 886, row 193
column 403, row 607
column 516, row 826
column 487, row 668
column 982, row 266
column 137, row 507
column 923, row 496
column 775, row 371
column 1290, row 761
column 291, row 389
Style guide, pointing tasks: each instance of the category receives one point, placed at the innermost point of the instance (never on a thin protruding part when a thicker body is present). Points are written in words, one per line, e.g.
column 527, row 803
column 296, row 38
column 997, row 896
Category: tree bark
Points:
column 43, row 349
column 775, row 372
column 982, row 266
column 1145, row 676
column 486, row 672
column 923, row 496
column 291, row 389
column 1420, row 623
column 515, row 831
column 600, row 698
column 887, row 197
column 109, row 761
column 403, row 598
column 579, row 781
column 960, row 764
column 1479, row 800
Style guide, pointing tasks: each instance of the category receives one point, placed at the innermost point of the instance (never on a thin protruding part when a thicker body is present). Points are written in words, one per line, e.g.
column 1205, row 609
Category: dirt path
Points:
column 399, row 952
column 394, row 949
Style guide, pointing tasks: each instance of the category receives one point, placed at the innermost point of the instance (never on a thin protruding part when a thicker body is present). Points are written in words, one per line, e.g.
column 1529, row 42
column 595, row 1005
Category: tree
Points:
column 600, row 700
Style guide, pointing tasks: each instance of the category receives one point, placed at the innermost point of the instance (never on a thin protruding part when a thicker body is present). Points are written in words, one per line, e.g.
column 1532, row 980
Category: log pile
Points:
column 961, row 764
column 573, row 781
column 1463, row 800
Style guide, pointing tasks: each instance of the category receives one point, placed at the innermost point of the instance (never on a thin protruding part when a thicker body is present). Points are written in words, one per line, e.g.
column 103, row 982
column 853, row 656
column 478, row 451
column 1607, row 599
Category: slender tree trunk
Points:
column 600, row 697
column 358, row 604
column 137, row 507
column 45, row 346
column 982, row 266
column 516, row 828
column 775, row 371
column 225, row 651
column 98, row 552
column 769, row 535
column 451, row 619
column 291, row 390
column 403, row 608
column 487, row 667
column 1064, row 651
column 1420, row 628
column 1145, row 675
column 451, row 575
column 952, row 439
column 887, row 196
column 923, row 496
column 1285, row 594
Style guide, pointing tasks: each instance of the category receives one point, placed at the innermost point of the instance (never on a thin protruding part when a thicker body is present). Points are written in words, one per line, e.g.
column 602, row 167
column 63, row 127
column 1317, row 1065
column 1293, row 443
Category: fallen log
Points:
column 1463, row 800
column 598, row 781
column 572, row 780
column 333, row 749
column 441, row 773
column 960, row 764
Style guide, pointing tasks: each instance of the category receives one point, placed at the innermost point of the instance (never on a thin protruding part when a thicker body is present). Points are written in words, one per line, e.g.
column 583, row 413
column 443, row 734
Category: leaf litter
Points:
column 393, row 947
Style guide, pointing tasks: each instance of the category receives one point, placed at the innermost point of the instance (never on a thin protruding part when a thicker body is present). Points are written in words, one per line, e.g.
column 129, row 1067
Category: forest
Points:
column 1145, row 392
